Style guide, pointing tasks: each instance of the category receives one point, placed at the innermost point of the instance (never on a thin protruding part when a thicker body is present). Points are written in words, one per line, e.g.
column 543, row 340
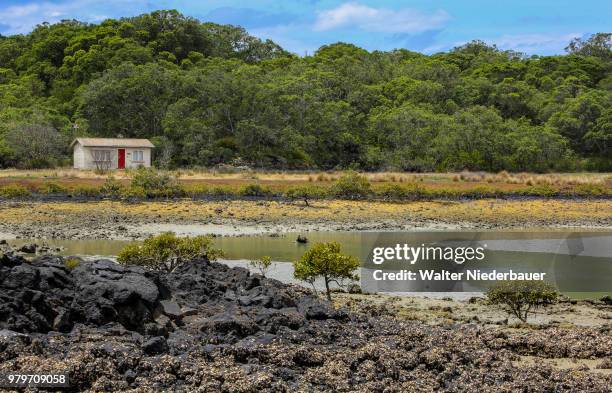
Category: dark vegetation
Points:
column 325, row 261
column 521, row 298
column 166, row 252
column 208, row 94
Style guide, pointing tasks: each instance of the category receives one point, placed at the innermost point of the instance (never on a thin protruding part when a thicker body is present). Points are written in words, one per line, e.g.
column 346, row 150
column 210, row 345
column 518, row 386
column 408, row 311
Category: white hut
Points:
column 111, row 153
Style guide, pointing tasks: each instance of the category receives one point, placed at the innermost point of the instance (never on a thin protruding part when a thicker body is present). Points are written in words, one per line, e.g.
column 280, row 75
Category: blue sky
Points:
column 531, row 26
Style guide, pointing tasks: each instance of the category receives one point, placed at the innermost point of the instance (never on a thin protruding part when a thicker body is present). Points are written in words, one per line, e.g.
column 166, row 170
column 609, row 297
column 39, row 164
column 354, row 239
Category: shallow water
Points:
column 284, row 248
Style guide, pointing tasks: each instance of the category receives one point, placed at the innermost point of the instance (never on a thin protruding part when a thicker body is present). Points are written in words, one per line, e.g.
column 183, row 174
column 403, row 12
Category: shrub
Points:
column 543, row 190
column 72, row 263
column 155, row 183
column 223, row 191
column 111, row 188
column 326, row 261
column 133, row 193
column 262, row 264
column 166, row 251
column 352, row 185
column 305, row 193
column 412, row 191
column 519, row 298
column 86, row 191
column 52, row 188
column 254, row 190
column 14, row 191
column 197, row 190
column 591, row 190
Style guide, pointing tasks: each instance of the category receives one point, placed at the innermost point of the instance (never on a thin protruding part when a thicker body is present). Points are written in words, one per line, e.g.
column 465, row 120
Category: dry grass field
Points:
column 278, row 181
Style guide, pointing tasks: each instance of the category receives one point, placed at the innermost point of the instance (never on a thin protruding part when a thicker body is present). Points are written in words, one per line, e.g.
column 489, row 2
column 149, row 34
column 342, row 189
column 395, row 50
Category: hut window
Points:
column 101, row 155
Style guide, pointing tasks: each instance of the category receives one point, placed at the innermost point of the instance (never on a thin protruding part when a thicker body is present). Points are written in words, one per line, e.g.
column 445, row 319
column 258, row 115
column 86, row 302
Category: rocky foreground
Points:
column 207, row 327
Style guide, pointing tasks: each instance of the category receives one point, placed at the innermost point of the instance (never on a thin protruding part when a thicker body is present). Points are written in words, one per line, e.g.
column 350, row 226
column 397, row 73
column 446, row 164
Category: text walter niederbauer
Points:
column 458, row 255
column 445, row 275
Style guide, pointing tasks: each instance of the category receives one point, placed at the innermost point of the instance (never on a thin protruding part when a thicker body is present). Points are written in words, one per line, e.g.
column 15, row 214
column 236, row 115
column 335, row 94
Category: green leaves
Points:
column 167, row 251
column 522, row 297
column 214, row 94
column 325, row 260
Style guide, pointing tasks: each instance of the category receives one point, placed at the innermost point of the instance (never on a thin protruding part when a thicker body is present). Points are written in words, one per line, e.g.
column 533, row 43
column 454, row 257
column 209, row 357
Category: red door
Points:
column 121, row 161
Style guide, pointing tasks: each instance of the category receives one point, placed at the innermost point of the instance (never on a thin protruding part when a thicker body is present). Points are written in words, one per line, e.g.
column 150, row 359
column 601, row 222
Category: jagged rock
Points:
column 171, row 308
column 155, row 346
column 107, row 323
column 10, row 260
column 29, row 248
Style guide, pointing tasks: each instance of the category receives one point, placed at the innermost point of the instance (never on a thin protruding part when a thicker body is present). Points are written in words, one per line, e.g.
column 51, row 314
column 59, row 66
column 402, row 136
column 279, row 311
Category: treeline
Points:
column 208, row 94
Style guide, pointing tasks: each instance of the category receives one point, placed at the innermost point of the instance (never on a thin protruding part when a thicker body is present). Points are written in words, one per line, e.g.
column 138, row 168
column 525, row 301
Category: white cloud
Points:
column 23, row 18
column 380, row 20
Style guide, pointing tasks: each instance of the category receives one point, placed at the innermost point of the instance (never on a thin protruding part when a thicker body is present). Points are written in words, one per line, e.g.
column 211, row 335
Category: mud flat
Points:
column 208, row 327
column 119, row 220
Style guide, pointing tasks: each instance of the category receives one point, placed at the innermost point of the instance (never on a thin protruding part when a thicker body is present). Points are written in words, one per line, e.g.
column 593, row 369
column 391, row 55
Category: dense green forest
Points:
column 208, row 94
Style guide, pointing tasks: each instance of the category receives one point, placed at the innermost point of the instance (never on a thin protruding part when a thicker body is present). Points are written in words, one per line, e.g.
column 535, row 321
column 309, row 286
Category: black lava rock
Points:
column 155, row 346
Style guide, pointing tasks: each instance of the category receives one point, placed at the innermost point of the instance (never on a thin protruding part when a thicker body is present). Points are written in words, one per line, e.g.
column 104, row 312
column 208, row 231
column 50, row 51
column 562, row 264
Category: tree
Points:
column 129, row 100
column 35, row 145
column 352, row 185
column 522, row 297
column 211, row 94
column 262, row 264
column 598, row 45
column 325, row 260
column 305, row 193
column 166, row 252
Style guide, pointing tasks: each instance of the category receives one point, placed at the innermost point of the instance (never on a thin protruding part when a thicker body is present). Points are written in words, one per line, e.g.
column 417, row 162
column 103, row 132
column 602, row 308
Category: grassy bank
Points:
column 386, row 186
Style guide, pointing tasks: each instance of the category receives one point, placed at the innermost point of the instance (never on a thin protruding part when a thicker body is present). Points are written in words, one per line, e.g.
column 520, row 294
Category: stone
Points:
column 155, row 346
column 62, row 321
column 171, row 308
column 29, row 248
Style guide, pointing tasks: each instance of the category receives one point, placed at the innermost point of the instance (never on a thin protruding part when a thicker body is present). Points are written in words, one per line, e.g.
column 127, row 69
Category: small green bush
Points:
column 134, row 193
column 542, row 190
column 352, row 185
column 262, row 264
column 14, row 191
column 407, row 191
column 72, row 263
column 393, row 192
column 590, row 190
column 326, row 261
column 223, row 191
column 197, row 190
column 305, row 193
column 86, row 191
column 166, row 252
column 111, row 188
column 255, row 190
column 52, row 188
column 519, row 298
column 156, row 183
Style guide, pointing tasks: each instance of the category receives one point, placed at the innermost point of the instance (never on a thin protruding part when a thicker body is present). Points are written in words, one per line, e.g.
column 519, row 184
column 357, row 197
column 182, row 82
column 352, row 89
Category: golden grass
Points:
column 528, row 213
column 279, row 180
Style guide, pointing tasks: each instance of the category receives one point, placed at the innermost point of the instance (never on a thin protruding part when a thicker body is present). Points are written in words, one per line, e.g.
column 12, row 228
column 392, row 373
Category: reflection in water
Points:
column 282, row 248
column 522, row 253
